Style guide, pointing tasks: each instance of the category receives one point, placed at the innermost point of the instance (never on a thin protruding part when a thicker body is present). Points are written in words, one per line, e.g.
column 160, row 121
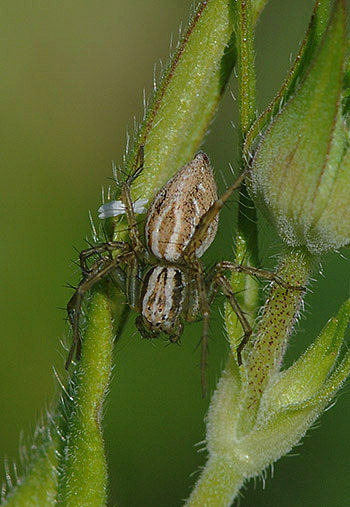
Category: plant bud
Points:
column 300, row 174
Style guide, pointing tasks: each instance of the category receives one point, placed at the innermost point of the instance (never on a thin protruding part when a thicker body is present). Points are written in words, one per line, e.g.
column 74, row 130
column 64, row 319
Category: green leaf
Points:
column 223, row 411
column 264, row 360
column 275, row 437
column 258, row 6
column 307, row 376
column 38, row 484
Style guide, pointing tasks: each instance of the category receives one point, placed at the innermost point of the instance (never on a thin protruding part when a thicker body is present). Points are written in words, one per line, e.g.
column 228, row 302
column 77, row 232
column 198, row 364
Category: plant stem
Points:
column 247, row 233
column 245, row 66
column 218, row 485
column 39, row 485
column 83, row 473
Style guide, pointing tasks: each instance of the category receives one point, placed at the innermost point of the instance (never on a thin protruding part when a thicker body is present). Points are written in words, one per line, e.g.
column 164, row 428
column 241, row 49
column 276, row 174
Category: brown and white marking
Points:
column 177, row 209
column 172, row 286
column 163, row 298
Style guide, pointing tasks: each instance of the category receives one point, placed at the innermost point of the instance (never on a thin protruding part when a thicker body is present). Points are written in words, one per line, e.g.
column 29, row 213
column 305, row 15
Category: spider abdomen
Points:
column 163, row 298
column 177, row 209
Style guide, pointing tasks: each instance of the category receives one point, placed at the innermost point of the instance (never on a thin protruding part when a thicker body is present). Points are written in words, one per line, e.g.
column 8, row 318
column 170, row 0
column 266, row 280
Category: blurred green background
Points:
column 71, row 82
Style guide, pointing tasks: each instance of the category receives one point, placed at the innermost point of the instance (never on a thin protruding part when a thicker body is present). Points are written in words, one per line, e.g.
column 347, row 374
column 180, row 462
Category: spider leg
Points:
column 129, row 208
column 98, row 270
column 252, row 271
column 227, row 290
column 205, row 312
column 100, row 248
column 217, row 277
column 137, row 165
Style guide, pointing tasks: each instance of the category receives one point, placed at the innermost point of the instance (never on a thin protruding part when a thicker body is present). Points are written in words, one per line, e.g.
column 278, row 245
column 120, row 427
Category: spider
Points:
column 181, row 224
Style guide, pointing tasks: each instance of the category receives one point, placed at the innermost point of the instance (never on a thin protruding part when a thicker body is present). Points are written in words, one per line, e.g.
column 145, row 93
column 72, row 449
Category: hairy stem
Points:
column 218, row 485
column 83, row 472
column 247, row 233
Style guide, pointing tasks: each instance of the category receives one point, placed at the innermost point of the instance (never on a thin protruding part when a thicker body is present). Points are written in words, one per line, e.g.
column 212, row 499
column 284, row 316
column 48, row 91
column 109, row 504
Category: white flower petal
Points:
column 111, row 209
column 115, row 208
column 140, row 206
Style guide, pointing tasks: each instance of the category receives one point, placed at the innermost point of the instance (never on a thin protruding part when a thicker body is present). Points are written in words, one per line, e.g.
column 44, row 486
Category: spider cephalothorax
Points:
column 181, row 224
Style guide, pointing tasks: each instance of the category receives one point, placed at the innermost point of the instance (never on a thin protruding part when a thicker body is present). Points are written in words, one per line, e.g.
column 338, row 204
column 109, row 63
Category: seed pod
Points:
column 177, row 209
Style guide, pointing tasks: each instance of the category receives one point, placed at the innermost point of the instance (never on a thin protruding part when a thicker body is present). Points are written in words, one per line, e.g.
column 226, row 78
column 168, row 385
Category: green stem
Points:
column 245, row 66
column 247, row 232
column 233, row 409
column 218, row 485
column 83, row 472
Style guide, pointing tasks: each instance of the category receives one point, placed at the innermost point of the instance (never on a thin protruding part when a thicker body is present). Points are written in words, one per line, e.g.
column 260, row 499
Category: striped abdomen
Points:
column 163, row 298
column 177, row 209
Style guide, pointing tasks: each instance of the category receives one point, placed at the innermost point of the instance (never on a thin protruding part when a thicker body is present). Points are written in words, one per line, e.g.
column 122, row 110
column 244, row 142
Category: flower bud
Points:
column 300, row 174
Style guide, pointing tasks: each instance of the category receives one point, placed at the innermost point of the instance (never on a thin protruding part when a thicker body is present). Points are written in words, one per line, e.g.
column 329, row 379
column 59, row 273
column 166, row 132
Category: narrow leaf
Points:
column 308, row 375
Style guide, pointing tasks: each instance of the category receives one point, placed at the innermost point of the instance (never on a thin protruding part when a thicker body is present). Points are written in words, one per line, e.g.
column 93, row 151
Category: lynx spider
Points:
column 181, row 224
